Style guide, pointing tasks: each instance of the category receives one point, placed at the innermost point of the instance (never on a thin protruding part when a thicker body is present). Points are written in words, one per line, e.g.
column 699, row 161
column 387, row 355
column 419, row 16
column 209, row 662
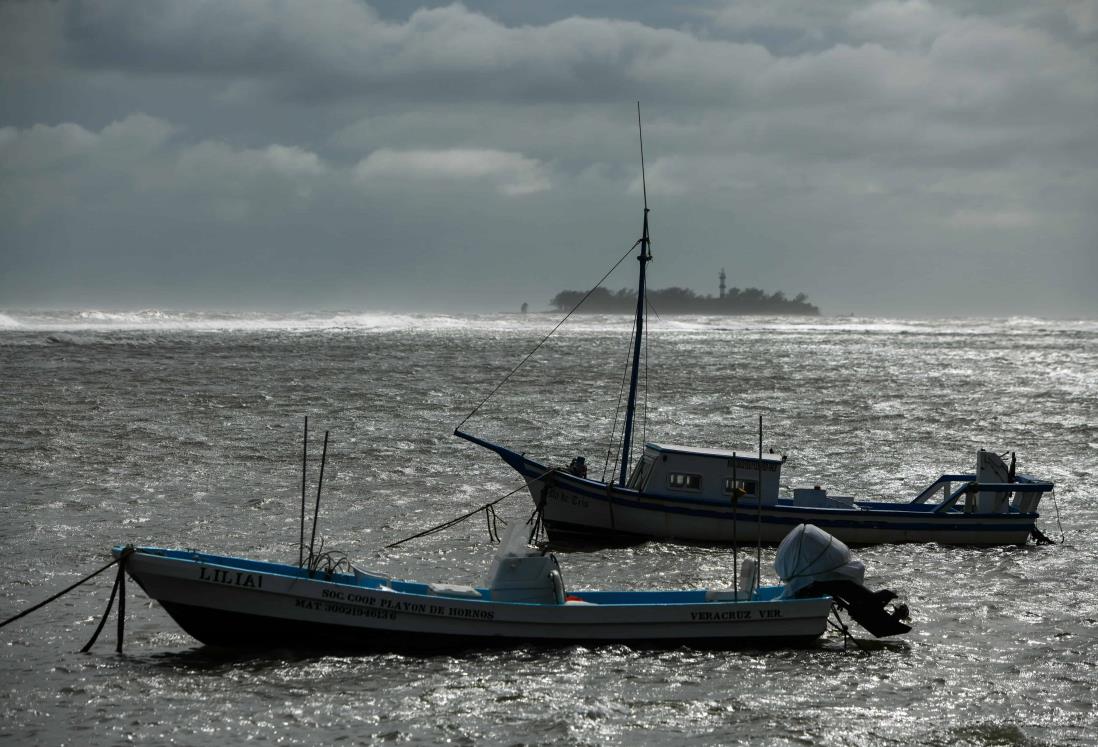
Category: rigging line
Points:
column 544, row 339
column 463, row 517
column 617, row 410
column 644, row 420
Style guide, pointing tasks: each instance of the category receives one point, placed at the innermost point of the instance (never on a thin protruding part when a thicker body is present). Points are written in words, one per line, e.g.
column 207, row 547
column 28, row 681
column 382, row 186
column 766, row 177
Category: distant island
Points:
column 686, row 301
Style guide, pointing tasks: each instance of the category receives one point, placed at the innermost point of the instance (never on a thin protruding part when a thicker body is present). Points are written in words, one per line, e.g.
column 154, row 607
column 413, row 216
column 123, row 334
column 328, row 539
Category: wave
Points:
column 159, row 320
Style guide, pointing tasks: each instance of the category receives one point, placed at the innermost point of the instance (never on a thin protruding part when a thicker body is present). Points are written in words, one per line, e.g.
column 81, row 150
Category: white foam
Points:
column 533, row 324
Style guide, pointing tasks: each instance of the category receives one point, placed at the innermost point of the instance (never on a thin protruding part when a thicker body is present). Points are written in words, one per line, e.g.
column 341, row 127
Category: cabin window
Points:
column 684, row 481
column 747, row 486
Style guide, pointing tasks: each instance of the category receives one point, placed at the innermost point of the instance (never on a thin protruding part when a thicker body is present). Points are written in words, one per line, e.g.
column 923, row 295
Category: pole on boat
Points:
column 735, row 540
column 759, row 510
column 319, row 485
column 304, row 464
column 644, row 257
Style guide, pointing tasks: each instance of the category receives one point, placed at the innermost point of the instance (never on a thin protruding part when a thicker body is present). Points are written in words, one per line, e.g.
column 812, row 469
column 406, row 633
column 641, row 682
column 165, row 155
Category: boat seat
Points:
column 453, row 590
column 371, row 578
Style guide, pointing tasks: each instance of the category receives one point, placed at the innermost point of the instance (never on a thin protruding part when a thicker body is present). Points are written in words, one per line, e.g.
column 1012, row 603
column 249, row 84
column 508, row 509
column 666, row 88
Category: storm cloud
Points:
column 887, row 157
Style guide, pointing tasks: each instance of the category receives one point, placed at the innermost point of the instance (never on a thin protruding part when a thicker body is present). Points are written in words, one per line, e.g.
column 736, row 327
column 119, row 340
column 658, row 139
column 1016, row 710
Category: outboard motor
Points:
column 812, row 563
column 521, row 573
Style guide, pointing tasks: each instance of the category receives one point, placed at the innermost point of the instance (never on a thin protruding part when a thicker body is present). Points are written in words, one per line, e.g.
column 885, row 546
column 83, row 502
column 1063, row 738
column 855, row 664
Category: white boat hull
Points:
column 232, row 602
column 578, row 508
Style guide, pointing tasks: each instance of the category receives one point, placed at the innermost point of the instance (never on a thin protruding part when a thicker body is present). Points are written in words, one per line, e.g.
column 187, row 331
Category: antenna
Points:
column 316, row 509
column 643, row 257
column 759, row 510
column 304, row 466
column 735, row 540
column 640, row 135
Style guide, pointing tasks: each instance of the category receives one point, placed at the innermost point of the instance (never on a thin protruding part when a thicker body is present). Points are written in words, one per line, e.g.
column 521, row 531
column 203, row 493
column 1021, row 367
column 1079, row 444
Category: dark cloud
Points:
column 878, row 156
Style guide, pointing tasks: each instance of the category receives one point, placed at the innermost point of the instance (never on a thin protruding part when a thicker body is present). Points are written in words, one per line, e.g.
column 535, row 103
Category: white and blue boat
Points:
column 711, row 496
column 226, row 601
column 717, row 495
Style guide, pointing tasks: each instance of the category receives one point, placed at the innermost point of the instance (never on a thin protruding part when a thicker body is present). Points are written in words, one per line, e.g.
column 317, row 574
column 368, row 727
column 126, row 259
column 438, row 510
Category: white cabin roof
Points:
column 705, row 452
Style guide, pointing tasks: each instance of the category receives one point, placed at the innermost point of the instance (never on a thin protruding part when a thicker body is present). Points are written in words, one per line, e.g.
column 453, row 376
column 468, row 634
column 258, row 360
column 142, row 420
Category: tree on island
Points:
column 685, row 301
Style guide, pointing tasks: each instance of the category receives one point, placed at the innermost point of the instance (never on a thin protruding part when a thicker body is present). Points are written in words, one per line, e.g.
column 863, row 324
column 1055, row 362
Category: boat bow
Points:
column 518, row 462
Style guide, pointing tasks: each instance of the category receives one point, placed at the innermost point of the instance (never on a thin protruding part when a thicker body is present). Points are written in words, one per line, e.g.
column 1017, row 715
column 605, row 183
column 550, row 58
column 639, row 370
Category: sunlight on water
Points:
column 183, row 429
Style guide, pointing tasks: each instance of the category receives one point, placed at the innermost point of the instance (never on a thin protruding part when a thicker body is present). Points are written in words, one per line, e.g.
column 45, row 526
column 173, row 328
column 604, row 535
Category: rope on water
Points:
column 843, row 628
column 125, row 554
column 544, row 339
column 491, row 518
column 119, row 586
column 1057, row 507
column 455, row 521
column 1041, row 537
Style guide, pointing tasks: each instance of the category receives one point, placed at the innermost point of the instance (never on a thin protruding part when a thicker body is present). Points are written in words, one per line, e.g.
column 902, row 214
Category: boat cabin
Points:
column 669, row 470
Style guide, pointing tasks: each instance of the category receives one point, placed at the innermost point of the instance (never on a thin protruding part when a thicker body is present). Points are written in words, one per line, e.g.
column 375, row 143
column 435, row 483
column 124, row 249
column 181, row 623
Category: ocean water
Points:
column 184, row 429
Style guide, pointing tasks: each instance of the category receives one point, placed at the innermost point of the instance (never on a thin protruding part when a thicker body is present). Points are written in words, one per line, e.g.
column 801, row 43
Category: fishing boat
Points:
column 718, row 495
column 236, row 602
column 711, row 495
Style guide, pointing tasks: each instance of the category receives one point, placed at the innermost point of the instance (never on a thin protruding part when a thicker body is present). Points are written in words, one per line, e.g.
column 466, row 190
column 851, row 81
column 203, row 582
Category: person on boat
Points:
column 578, row 467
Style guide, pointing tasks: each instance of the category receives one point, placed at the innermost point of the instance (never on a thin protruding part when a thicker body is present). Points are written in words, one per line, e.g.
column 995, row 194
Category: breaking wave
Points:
column 157, row 320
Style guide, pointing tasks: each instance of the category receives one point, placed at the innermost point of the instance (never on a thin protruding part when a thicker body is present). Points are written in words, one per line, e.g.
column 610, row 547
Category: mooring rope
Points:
column 125, row 554
column 455, row 521
column 843, row 628
column 1056, row 505
column 544, row 339
column 119, row 589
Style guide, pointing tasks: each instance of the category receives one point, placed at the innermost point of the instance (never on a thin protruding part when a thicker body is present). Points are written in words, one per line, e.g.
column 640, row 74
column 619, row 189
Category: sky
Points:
column 909, row 158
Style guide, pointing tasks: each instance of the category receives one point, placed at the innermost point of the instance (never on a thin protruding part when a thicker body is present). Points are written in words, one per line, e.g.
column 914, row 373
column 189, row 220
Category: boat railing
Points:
column 945, row 484
column 1023, row 485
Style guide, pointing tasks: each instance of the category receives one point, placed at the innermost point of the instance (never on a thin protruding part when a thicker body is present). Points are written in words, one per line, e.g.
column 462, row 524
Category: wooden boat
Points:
column 709, row 495
column 242, row 603
column 717, row 495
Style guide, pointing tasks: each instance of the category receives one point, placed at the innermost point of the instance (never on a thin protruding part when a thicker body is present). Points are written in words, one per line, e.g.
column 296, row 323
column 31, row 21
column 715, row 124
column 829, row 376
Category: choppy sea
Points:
column 184, row 430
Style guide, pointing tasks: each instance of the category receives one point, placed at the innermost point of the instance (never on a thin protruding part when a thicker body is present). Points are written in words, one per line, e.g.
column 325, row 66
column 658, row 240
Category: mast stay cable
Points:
column 544, row 339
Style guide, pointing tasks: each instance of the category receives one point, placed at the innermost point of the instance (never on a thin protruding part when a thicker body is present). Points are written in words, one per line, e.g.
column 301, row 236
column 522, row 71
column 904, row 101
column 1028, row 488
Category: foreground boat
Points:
column 241, row 603
column 715, row 495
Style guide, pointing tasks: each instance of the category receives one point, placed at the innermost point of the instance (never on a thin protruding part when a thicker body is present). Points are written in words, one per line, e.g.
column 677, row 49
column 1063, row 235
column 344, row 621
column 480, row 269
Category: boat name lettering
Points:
column 349, row 596
column 402, row 606
column 333, row 597
column 232, row 578
column 725, row 615
column 471, row 613
column 354, row 610
column 569, row 498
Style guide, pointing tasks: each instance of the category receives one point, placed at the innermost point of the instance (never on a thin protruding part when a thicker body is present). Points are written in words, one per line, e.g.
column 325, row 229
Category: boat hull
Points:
column 233, row 602
column 579, row 509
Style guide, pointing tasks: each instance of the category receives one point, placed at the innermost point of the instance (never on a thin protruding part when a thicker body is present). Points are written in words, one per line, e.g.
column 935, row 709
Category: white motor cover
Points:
column 520, row 573
column 809, row 554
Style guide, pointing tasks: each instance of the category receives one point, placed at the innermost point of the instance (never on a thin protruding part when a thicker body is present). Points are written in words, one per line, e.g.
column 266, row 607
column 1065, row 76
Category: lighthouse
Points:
column 722, row 277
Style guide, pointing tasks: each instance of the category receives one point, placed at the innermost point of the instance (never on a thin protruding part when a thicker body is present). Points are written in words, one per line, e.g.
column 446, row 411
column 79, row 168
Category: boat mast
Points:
column 643, row 258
